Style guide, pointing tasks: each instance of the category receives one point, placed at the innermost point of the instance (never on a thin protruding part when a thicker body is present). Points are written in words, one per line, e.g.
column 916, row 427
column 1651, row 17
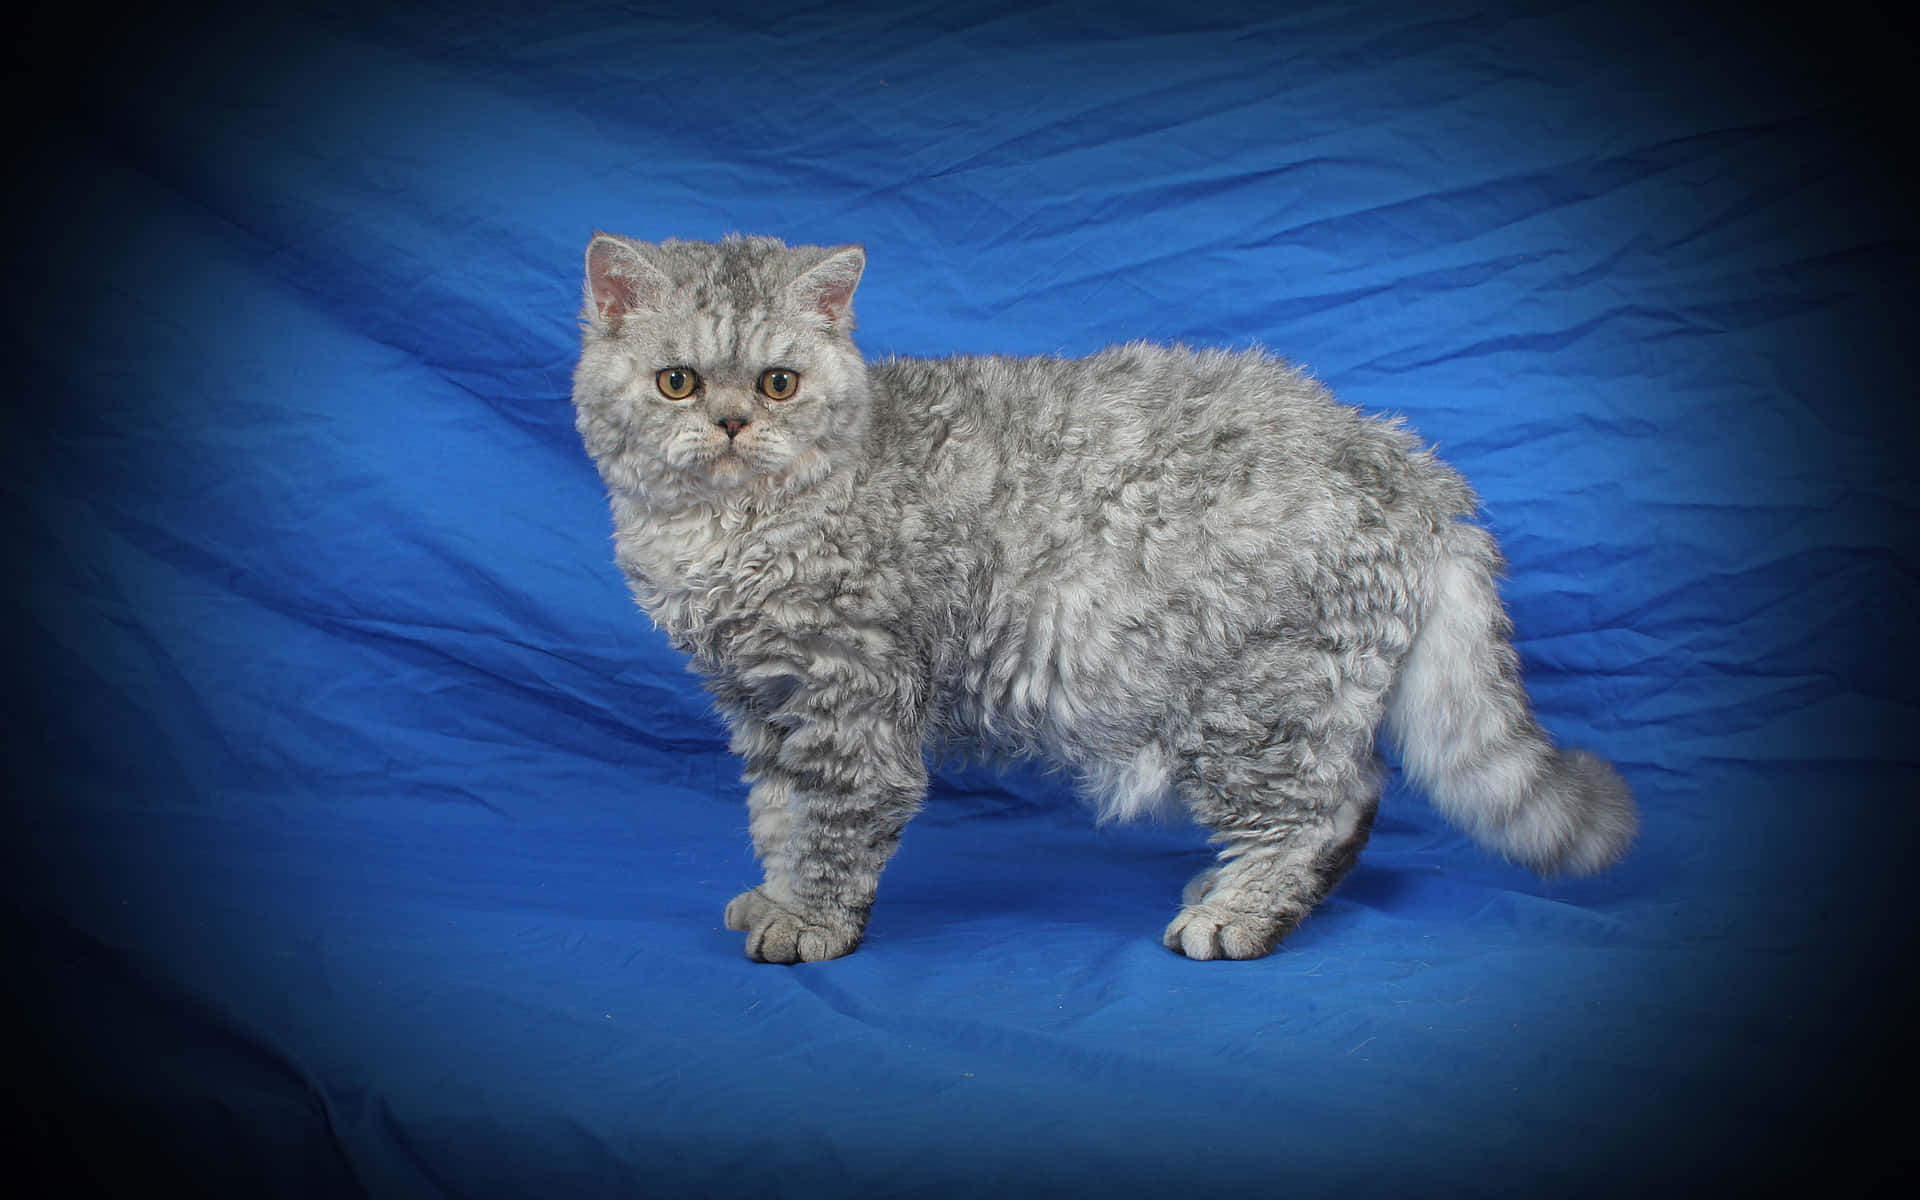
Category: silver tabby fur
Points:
column 1184, row 575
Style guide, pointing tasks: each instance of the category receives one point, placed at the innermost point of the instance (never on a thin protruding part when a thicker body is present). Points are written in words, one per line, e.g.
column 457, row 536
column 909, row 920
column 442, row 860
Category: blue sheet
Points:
column 365, row 839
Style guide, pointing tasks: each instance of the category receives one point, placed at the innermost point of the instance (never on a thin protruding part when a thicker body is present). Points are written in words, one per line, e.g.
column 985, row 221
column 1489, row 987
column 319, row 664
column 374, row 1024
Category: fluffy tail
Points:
column 1467, row 735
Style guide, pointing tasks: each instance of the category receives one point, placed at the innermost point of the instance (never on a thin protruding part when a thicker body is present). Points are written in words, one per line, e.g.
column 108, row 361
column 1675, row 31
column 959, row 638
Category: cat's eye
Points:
column 677, row 383
column 778, row 383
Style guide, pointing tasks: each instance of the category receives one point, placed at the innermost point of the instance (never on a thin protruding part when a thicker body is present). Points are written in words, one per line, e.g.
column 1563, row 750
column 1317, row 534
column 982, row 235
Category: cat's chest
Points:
column 703, row 574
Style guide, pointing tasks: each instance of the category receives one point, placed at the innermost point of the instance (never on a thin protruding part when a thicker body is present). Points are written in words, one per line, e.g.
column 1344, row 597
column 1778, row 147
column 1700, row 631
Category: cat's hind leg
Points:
column 1289, row 783
column 1272, row 877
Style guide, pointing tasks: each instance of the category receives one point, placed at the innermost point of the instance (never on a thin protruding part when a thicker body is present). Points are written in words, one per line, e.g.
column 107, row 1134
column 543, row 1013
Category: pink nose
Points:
column 733, row 425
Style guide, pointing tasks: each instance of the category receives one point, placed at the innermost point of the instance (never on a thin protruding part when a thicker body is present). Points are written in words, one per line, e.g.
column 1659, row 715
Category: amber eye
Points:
column 778, row 383
column 677, row 383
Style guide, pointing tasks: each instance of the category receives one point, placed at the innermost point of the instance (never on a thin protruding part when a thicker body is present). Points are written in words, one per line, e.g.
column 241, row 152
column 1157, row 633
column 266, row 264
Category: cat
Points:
column 1188, row 576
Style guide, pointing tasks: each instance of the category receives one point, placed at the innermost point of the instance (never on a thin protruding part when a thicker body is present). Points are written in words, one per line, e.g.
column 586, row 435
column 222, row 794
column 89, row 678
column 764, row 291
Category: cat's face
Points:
column 712, row 368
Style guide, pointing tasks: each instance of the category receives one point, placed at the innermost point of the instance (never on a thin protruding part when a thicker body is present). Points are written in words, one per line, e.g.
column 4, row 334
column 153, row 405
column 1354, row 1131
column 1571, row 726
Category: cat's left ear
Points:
column 827, row 287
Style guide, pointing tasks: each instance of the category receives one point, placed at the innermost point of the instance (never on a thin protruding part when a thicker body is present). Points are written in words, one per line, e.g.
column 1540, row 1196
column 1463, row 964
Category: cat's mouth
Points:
column 746, row 459
column 731, row 460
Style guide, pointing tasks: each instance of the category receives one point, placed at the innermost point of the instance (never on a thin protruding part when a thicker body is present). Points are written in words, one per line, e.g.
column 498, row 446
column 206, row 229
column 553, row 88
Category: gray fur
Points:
column 1186, row 575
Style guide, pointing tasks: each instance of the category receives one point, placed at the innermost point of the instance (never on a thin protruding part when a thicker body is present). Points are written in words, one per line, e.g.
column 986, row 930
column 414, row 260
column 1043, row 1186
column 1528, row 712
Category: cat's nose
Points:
column 733, row 425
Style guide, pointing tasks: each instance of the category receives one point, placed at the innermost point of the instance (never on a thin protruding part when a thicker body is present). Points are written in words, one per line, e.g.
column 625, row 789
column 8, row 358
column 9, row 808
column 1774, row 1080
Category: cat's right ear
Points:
column 619, row 281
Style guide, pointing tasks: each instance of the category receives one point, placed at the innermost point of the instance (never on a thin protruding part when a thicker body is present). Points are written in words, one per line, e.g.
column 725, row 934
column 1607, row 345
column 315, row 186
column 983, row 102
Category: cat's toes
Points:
column 779, row 934
column 742, row 909
column 785, row 937
column 1205, row 931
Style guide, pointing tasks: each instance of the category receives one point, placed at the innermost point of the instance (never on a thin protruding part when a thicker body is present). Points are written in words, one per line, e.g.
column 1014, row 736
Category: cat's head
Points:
column 712, row 368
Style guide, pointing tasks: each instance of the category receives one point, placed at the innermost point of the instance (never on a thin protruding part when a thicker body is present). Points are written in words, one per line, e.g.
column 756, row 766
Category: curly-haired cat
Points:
column 1177, row 573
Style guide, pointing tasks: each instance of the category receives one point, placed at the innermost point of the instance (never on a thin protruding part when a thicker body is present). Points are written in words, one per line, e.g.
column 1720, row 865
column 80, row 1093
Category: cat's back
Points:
column 1167, row 432
column 1137, row 396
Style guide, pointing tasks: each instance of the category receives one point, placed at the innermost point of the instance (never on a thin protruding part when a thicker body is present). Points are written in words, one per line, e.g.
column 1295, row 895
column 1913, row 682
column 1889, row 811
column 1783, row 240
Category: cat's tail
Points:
column 1468, row 736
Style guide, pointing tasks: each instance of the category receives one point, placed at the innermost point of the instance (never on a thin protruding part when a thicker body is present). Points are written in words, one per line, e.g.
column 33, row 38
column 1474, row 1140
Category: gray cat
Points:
column 1180, row 574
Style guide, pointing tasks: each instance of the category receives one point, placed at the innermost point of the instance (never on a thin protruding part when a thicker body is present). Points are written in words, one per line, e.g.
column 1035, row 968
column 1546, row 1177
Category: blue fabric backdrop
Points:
column 365, row 839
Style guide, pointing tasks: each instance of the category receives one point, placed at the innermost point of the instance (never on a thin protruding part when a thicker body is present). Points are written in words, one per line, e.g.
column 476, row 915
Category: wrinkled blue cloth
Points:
column 365, row 839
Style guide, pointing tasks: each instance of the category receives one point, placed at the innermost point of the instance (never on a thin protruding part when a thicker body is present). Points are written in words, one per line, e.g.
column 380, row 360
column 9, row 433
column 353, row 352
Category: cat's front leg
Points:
column 834, row 782
column 778, row 927
column 768, row 800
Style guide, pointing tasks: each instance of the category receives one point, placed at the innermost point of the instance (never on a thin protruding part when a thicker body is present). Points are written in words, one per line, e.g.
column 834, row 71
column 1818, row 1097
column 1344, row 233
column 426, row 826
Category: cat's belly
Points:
column 1066, row 673
column 1070, row 678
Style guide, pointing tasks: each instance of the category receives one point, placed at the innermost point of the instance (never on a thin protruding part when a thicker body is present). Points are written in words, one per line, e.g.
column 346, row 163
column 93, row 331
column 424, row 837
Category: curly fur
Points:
column 1189, row 576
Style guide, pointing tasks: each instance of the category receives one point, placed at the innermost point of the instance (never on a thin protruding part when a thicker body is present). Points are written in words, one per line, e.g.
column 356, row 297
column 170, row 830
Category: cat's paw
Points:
column 1208, row 931
column 781, row 933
